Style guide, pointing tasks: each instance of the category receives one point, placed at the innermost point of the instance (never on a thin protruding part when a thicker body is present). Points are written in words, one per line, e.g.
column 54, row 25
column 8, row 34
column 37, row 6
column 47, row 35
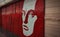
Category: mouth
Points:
column 25, row 27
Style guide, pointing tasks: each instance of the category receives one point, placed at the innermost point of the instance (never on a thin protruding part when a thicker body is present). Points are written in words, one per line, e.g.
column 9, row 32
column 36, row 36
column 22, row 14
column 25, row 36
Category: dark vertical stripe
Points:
column 0, row 17
column 0, row 20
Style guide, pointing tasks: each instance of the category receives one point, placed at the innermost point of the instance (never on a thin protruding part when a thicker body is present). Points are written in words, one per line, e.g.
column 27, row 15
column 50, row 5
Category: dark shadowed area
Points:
column 6, row 33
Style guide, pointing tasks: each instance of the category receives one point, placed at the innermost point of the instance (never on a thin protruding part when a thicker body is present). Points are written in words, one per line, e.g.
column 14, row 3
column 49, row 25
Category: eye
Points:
column 32, row 12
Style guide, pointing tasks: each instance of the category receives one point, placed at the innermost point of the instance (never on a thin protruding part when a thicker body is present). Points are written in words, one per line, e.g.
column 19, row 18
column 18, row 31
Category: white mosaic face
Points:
column 29, row 27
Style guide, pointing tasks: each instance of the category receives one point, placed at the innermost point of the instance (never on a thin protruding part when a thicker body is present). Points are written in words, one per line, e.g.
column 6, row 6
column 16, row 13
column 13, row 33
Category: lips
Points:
column 26, row 28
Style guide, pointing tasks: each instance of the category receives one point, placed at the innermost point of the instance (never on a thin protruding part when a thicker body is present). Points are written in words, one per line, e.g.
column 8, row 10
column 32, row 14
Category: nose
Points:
column 27, row 16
